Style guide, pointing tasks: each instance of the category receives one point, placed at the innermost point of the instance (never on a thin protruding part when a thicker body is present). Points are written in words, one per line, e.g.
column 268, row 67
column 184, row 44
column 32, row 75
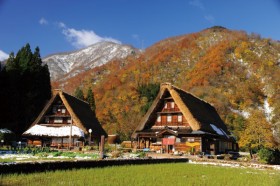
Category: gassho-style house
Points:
column 64, row 118
column 179, row 121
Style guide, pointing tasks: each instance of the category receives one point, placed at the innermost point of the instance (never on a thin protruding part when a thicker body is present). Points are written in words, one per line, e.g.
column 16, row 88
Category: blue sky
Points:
column 66, row 25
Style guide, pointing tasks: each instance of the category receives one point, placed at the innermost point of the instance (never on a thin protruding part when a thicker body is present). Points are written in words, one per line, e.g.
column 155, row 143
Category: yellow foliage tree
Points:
column 257, row 133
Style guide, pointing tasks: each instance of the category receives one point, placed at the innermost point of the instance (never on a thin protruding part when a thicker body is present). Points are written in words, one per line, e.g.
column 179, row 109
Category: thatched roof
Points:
column 79, row 110
column 200, row 115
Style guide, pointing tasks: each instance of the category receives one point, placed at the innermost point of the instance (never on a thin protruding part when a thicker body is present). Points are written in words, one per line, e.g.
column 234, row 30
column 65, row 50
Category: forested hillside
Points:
column 25, row 89
column 238, row 73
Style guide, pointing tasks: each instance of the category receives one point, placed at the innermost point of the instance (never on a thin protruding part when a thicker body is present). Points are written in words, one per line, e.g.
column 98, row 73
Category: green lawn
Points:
column 156, row 174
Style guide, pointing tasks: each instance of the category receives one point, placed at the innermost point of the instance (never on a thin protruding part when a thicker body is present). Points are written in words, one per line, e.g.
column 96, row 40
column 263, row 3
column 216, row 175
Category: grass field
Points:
column 156, row 174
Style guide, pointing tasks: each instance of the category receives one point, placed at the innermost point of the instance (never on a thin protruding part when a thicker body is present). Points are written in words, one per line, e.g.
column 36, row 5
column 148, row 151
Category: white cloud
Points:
column 61, row 25
column 43, row 21
column 3, row 56
column 210, row 18
column 83, row 38
column 197, row 3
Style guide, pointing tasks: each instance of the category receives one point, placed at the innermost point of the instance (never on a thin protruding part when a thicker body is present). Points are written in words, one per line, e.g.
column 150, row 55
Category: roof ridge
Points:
column 173, row 86
column 75, row 97
column 60, row 90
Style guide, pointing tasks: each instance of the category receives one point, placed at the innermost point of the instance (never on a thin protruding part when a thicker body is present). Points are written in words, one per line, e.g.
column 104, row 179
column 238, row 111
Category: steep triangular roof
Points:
column 200, row 115
column 79, row 110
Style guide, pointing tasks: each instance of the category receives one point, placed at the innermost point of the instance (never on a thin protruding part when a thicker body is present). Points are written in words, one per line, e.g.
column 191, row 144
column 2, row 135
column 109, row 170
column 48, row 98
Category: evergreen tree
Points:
column 90, row 100
column 148, row 91
column 79, row 93
column 26, row 90
column 11, row 63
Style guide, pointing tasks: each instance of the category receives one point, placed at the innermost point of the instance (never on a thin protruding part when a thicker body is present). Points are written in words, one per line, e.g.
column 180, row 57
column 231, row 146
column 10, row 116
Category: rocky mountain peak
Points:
column 69, row 64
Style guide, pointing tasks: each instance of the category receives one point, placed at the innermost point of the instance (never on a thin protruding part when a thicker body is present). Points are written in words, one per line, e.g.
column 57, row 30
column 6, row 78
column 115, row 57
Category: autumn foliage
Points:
column 235, row 72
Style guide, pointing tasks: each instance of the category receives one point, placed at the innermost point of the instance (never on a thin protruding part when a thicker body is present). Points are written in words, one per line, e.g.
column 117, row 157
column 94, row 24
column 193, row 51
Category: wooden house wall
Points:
column 57, row 111
column 54, row 142
column 190, row 144
column 173, row 111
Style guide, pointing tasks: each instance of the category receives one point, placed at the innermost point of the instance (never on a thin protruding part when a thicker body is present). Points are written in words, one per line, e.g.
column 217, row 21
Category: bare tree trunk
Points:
column 251, row 153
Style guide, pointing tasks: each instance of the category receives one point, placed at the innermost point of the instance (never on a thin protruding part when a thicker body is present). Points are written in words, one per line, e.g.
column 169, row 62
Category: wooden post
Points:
column 61, row 143
column 70, row 136
column 201, row 143
column 102, row 147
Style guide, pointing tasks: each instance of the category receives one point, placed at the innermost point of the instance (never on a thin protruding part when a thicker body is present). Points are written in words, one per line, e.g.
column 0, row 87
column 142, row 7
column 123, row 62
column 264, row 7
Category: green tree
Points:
column 91, row 100
column 79, row 93
column 25, row 90
column 148, row 91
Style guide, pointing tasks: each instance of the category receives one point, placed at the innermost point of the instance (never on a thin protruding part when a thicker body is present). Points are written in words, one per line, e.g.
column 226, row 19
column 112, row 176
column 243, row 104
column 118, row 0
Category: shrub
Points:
column 58, row 153
column 87, row 148
column 69, row 154
column 43, row 154
column 116, row 154
column 108, row 148
column 46, row 149
column 7, row 136
column 142, row 154
column 266, row 155
column 220, row 157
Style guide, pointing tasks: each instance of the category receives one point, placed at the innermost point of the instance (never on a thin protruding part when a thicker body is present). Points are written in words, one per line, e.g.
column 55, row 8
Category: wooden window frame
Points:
column 54, row 109
column 180, row 118
column 169, row 118
column 159, row 118
column 58, row 120
column 172, row 104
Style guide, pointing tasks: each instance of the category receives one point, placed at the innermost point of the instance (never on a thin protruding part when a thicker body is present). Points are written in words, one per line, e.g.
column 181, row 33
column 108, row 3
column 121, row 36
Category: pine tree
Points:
column 79, row 93
column 90, row 100
column 11, row 64
column 27, row 89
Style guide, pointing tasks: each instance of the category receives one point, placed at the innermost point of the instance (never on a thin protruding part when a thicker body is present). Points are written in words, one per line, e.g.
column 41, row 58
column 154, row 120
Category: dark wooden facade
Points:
column 57, row 115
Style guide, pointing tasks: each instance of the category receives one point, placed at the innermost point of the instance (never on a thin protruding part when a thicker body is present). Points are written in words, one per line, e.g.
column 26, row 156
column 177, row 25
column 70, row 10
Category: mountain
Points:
column 238, row 73
column 66, row 65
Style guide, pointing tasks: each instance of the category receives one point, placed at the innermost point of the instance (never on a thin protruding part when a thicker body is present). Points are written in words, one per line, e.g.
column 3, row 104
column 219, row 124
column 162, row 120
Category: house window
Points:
column 229, row 145
column 159, row 118
column 54, row 110
column 69, row 121
column 63, row 111
column 172, row 105
column 58, row 120
column 47, row 120
column 190, row 139
column 180, row 118
column 169, row 118
column 166, row 105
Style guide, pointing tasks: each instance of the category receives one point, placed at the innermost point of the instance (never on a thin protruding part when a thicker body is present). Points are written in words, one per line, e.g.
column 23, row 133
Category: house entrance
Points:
column 168, row 144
